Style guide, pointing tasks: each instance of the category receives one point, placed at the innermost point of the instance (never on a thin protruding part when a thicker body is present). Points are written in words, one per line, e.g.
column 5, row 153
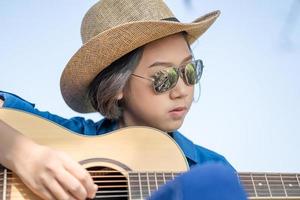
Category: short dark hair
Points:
column 109, row 82
column 112, row 80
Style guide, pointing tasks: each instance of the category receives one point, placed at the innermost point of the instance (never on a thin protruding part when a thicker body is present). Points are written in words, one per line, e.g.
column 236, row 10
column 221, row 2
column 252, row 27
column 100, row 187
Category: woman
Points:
column 135, row 68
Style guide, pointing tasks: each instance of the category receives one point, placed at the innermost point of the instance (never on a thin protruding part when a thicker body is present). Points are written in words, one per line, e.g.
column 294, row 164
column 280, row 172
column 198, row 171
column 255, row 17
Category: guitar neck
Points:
column 137, row 185
column 259, row 186
column 271, row 185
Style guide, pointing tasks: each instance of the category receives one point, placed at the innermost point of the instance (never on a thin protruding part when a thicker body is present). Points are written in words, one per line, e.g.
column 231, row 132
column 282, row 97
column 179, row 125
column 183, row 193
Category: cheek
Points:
column 190, row 97
column 138, row 92
column 141, row 97
column 147, row 97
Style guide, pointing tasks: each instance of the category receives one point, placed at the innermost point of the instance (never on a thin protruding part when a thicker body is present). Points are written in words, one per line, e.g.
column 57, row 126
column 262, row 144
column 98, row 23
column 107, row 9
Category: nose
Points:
column 180, row 90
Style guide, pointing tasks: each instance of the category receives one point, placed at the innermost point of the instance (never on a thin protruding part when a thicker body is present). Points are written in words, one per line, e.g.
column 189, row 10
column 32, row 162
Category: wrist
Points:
column 19, row 153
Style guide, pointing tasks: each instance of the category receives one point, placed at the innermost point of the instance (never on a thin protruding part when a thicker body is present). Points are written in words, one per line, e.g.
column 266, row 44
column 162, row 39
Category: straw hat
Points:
column 113, row 28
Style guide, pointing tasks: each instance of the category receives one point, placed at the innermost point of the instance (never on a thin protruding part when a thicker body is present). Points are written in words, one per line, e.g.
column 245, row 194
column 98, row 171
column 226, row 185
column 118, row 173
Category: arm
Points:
column 76, row 124
column 54, row 178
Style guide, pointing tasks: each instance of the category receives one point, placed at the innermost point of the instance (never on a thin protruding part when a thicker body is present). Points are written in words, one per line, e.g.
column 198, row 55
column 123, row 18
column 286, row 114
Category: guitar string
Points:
column 285, row 181
column 262, row 191
column 257, row 183
column 273, row 184
column 272, row 178
column 143, row 177
column 130, row 172
column 19, row 197
column 241, row 176
column 137, row 191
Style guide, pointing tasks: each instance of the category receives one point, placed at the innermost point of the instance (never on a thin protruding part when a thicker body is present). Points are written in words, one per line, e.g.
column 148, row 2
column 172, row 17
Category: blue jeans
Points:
column 203, row 182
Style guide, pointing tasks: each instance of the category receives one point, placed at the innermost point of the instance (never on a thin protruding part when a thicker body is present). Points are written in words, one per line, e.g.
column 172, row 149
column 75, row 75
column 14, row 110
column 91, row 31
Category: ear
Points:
column 120, row 95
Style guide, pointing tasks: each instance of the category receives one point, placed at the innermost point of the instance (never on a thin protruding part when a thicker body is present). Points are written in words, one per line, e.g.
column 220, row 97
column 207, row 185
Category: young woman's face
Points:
column 142, row 106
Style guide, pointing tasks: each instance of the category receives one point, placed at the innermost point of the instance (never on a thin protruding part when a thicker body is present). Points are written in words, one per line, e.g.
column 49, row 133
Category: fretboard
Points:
column 142, row 184
column 271, row 185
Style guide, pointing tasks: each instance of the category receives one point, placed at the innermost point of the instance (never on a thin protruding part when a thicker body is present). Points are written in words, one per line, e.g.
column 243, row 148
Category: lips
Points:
column 178, row 112
column 178, row 109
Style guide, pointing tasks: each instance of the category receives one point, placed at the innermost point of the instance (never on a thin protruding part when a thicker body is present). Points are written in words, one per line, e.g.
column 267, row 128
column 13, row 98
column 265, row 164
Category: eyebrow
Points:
column 169, row 63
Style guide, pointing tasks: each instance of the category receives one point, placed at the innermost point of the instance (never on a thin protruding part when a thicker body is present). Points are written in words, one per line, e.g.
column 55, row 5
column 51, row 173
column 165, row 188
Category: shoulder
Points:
column 76, row 124
column 197, row 154
column 11, row 100
column 206, row 155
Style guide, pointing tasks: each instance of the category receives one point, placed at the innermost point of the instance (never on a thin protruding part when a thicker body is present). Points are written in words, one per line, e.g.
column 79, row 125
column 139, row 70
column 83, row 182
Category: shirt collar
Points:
column 186, row 145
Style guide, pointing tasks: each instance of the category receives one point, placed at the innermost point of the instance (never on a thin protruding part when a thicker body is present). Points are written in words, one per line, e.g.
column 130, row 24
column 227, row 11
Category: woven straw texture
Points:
column 111, row 29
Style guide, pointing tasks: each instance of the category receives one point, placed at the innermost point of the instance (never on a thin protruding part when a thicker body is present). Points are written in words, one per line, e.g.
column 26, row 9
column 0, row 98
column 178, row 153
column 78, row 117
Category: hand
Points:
column 53, row 174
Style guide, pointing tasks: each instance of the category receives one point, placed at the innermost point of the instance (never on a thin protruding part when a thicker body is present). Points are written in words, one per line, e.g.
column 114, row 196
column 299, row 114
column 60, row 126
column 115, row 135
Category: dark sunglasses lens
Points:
column 190, row 74
column 193, row 72
column 164, row 80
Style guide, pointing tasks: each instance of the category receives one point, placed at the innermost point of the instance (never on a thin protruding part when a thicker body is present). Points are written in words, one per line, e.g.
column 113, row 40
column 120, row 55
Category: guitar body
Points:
column 136, row 149
column 129, row 163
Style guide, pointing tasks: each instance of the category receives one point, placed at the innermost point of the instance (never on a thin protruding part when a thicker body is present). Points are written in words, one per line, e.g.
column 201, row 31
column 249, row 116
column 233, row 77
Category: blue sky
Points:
column 249, row 106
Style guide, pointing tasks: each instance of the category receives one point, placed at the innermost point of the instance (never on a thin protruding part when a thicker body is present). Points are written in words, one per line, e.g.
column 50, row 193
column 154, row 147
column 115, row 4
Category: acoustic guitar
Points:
column 129, row 163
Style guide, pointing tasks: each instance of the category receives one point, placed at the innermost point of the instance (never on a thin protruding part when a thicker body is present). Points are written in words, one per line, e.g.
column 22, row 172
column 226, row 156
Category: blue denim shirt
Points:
column 195, row 154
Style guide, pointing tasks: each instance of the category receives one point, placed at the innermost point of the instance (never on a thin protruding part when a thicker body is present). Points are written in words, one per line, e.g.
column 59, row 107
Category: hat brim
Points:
column 110, row 45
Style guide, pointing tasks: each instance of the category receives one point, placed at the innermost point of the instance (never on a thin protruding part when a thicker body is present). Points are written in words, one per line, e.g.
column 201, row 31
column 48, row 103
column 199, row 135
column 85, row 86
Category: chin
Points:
column 172, row 126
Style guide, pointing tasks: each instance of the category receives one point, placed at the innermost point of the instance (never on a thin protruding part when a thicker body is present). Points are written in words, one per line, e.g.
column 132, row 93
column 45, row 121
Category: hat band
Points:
column 174, row 19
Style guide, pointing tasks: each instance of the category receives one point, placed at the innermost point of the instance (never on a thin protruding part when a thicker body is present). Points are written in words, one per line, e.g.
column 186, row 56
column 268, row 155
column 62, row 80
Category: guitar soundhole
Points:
column 111, row 183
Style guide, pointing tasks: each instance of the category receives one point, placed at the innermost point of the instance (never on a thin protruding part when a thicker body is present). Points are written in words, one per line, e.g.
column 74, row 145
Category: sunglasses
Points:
column 166, row 79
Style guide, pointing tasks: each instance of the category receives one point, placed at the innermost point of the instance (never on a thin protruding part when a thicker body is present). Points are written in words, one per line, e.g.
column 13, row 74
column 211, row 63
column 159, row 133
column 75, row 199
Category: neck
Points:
column 121, row 123
column 129, row 120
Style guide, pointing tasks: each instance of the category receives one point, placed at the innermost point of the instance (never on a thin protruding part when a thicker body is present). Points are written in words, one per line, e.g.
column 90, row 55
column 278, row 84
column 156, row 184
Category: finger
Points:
column 56, row 189
column 71, row 184
column 40, row 190
column 45, row 193
column 83, row 176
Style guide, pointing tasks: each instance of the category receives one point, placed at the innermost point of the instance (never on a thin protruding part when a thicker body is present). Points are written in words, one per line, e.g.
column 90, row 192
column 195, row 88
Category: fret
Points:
column 160, row 180
column 248, row 184
column 148, row 183
column 253, row 185
column 275, row 184
column 155, row 175
column 135, row 190
column 140, row 185
column 260, row 184
column 268, row 185
column 168, row 176
column 144, row 185
column 4, row 184
column 176, row 174
column 283, row 185
column 291, row 185
column 5, row 177
column 2, row 192
column 152, row 182
column 129, row 187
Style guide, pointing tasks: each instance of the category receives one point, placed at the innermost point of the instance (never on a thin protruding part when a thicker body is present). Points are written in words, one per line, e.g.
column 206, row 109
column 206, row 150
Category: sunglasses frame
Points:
column 180, row 72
